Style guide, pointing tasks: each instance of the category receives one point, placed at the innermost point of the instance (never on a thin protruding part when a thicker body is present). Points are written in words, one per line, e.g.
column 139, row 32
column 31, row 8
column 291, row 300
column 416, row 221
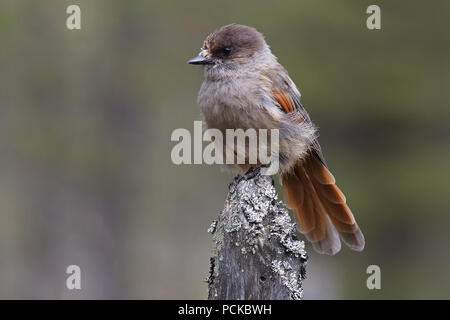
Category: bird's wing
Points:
column 287, row 95
column 311, row 191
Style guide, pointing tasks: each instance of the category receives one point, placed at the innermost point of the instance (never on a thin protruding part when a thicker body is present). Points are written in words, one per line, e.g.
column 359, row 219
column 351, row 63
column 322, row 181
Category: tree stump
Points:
column 256, row 252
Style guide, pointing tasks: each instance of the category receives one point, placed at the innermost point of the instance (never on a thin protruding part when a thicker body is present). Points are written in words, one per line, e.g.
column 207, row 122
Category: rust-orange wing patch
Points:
column 284, row 100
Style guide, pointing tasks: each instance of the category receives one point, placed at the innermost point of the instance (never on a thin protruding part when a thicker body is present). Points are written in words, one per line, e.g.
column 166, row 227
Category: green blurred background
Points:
column 85, row 124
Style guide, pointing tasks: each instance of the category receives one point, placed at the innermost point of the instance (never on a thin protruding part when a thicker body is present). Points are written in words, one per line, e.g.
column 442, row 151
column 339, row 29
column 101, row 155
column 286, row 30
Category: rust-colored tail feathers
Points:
column 321, row 207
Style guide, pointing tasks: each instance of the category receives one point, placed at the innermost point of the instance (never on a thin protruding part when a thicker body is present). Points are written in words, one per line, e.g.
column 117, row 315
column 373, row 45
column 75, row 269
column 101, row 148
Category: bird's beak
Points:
column 200, row 60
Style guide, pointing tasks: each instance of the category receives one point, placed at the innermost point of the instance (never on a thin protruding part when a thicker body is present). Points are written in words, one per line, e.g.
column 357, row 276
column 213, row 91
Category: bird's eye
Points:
column 227, row 51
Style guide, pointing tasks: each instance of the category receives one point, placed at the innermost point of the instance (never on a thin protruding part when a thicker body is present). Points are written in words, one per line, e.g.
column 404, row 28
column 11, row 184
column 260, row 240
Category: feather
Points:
column 310, row 188
column 284, row 101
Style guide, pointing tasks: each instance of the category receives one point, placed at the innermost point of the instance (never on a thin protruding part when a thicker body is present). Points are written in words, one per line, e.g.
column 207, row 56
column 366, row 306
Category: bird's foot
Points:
column 233, row 184
column 250, row 174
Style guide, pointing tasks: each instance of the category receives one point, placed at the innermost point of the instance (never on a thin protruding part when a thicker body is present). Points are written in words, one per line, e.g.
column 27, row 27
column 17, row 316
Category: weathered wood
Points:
column 256, row 253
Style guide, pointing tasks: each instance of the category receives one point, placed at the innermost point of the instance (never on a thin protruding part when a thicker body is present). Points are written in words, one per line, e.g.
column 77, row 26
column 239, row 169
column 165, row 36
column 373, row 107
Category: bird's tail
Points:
column 321, row 208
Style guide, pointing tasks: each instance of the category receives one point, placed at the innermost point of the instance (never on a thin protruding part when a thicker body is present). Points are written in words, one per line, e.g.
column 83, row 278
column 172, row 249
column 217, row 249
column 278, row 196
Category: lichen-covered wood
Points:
column 256, row 253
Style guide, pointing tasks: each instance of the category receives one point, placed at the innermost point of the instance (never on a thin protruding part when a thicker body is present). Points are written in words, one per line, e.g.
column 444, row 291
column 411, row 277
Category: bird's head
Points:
column 230, row 48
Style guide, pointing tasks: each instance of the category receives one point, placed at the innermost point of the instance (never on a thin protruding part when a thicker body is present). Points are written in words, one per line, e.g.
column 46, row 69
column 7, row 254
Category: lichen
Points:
column 255, row 199
column 254, row 218
column 212, row 227
column 289, row 278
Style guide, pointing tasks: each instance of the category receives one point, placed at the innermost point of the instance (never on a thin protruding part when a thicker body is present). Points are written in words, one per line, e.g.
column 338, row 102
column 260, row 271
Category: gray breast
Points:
column 233, row 104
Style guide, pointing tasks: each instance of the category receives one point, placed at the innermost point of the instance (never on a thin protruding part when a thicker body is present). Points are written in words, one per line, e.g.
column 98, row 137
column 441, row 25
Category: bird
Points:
column 246, row 87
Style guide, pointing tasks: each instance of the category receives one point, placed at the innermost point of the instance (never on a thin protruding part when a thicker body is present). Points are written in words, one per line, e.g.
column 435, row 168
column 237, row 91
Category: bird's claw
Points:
column 250, row 174
column 233, row 184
